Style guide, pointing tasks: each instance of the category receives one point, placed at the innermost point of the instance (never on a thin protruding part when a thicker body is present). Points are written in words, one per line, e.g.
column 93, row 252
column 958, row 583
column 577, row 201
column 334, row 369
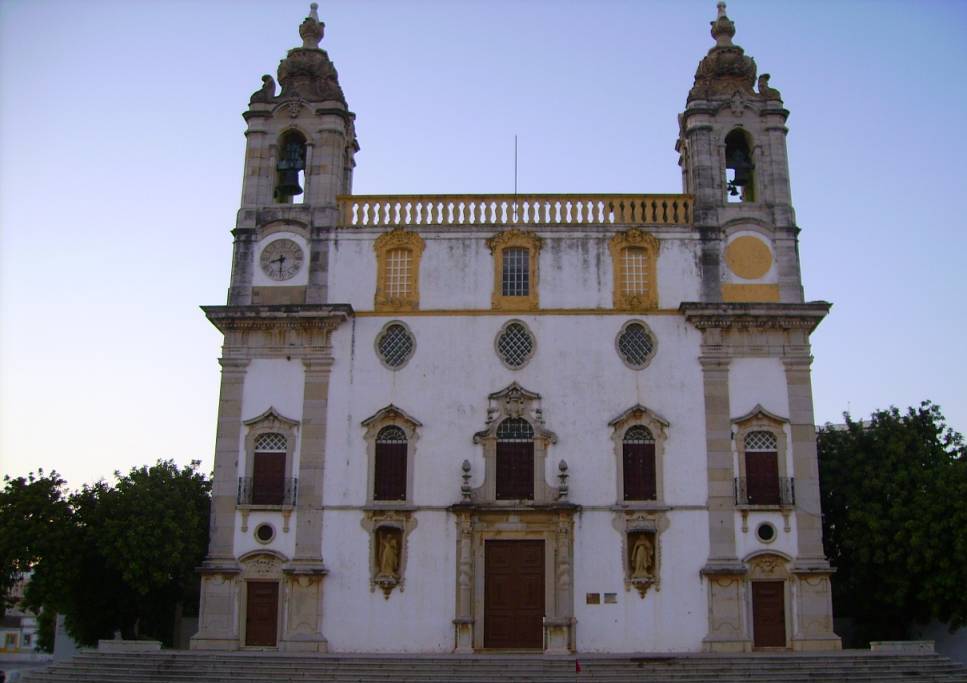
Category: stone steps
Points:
column 262, row 667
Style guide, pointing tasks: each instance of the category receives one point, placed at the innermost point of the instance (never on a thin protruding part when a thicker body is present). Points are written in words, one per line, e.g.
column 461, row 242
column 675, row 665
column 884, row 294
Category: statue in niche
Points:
column 642, row 558
column 389, row 554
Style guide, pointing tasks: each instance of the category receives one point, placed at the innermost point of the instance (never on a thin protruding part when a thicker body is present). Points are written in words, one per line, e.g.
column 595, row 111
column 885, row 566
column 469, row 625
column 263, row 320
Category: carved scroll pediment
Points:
column 271, row 417
column 760, row 414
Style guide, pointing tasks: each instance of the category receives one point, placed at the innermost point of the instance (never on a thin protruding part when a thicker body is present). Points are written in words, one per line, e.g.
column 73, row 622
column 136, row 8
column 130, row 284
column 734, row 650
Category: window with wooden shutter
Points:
column 390, row 465
column 638, row 451
column 762, row 468
column 515, row 460
column 268, row 469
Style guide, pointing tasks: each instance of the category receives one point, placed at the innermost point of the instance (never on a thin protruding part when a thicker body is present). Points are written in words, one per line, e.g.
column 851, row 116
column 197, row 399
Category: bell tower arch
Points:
column 732, row 152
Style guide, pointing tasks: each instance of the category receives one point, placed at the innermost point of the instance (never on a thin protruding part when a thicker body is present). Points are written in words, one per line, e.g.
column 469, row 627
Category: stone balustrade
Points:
column 508, row 209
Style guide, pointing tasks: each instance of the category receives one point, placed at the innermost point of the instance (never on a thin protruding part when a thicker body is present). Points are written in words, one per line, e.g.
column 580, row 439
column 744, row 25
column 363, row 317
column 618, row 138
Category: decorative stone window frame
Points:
column 391, row 415
column 657, row 425
column 380, row 335
column 629, row 525
column 514, row 401
column 500, row 333
column 376, row 522
column 775, row 533
column 497, row 244
column 761, row 420
column 648, row 331
column 650, row 244
column 768, row 565
column 384, row 244
column 268, row 422
column 258, row 539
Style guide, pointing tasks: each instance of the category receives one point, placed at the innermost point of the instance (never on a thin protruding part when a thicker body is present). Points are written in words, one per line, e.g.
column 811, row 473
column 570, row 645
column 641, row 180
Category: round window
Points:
column 395, row 345
column 515, row 344
column 765, row 532
column 635, row 345
column 264, row 533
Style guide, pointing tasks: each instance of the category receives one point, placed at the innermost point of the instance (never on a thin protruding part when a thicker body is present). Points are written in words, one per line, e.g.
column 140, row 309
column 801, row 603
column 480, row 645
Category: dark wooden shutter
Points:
column 515, row 470
column 762, row 477
column 639, row 471
column 268, row 479
column 390, row 472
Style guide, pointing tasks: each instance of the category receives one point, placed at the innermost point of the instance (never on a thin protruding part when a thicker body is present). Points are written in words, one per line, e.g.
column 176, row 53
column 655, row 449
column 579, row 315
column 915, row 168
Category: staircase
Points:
column 273, row 667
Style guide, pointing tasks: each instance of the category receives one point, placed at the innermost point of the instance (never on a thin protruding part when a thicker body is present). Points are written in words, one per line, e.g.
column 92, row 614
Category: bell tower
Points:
column 299, row 156
column 262, row 580
column 732, row 152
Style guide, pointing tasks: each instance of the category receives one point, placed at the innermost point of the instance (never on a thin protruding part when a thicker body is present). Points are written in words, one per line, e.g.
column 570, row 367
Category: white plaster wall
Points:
column 666, row 620
column 270, row 383
column 457, row 270
column 418, row 619
column 679, row 276
column 785, row 542
column 260, row 279
column 576, row 369
column 758, row 381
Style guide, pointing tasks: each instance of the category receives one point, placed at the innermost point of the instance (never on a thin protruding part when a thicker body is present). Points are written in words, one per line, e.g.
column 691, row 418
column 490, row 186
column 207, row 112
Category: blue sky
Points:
column 120, row 166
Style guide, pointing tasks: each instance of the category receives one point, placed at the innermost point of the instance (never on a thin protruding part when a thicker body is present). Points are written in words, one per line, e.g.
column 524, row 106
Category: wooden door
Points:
column 514, row 594
column 768, row 613
column 268, row 479
column 762, row 477
column 262, row 613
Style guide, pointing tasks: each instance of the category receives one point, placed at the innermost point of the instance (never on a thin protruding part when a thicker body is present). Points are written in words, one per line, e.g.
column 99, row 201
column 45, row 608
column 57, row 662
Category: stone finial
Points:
column 723, row 28
column 311, row 30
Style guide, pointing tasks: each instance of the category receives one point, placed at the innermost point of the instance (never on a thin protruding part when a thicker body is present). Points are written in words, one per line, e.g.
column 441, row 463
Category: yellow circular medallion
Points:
column 748, row 257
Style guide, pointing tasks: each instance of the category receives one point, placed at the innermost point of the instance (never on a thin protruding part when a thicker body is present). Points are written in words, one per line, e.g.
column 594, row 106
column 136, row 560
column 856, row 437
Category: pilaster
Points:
column 227, row 448
column 308, row 539
column 718, row 444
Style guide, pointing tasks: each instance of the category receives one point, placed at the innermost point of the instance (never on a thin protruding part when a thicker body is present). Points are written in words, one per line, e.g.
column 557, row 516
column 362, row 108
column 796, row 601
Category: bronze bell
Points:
column 292, row 161
column 738, row 161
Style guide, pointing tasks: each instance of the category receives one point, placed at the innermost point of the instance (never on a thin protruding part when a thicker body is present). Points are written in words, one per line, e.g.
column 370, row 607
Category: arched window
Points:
column 739, row 169
column 515, row 460
column 398, row 255
column 268, row 469
column 634, row 260
column 761, row 469
column 390, row 467
column 515, row 270
column 638, row 453
column 290, row 168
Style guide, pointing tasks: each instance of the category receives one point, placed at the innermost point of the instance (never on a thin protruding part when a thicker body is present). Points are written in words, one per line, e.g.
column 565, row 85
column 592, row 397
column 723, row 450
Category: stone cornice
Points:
column 755, row 315
column 297, row 316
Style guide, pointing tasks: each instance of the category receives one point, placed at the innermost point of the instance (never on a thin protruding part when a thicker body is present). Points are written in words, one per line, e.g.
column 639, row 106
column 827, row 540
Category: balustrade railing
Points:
column 279, row 492
column 509, row 209
column 754, row 492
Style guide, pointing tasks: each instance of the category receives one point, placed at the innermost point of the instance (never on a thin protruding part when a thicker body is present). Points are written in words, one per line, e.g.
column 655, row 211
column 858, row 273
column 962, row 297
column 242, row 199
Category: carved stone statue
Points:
column 643, row 558
column 266, row 92
column 389, row 554
column 767, row 92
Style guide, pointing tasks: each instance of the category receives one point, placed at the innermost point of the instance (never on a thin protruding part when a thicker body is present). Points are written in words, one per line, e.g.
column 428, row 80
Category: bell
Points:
column 288, row 183
column 738, row 161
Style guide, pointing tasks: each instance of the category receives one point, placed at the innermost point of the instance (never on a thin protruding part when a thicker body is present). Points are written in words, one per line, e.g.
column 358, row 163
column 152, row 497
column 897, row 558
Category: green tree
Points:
column 114, row 558
column 895, row 520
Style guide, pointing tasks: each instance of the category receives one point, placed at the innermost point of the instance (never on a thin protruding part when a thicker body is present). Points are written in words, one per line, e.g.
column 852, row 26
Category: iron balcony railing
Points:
column 780, row 492
column 281, row 492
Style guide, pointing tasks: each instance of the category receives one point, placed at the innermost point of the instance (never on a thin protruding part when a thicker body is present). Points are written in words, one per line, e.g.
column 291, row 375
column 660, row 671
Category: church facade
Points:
column 565, row 423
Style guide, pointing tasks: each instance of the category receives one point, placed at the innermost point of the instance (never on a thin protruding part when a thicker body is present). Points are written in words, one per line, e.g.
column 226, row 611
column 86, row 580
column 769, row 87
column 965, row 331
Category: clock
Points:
column 281, row 259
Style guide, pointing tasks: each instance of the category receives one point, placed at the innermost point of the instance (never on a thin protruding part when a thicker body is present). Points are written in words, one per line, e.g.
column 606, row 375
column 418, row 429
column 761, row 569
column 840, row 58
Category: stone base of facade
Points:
column 726, row 646
column 305, row 645
column 197, row 643
column 820, row 644
column 558, row 636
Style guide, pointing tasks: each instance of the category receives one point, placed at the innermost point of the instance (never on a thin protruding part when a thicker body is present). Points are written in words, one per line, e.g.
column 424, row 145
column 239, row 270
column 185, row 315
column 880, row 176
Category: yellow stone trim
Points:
column 748, row 257
column 490, row 311
column 385, row 243
column 649, row 243
column 733, row 293
column 497, row 244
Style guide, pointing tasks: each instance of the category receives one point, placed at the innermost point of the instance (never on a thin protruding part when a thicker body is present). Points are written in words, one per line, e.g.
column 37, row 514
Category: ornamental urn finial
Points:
column 311, row 30
column 723, row 28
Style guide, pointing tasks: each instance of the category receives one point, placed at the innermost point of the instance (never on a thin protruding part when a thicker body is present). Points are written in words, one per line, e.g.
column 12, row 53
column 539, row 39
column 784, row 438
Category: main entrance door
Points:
column 262, row 613
column 514, row 594
column 768, row 614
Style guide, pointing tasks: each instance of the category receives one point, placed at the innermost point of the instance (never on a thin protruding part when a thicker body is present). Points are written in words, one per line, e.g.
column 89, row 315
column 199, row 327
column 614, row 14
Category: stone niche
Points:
column 388, row 531
column 640, row 548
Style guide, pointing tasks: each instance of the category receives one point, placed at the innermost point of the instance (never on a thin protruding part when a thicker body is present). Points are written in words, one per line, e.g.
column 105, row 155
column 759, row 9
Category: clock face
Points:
column 281, row 259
